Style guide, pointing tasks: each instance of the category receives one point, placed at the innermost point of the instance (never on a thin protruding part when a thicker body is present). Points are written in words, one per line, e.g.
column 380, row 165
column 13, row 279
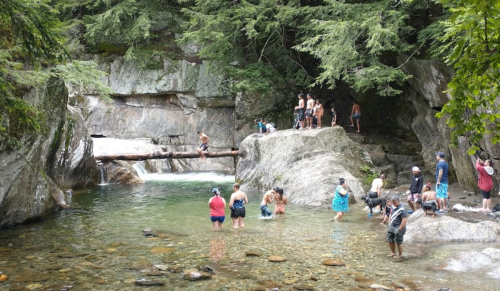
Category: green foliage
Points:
column 472, row 40
column 30, row 47
column 370, row 174
column 353, row 45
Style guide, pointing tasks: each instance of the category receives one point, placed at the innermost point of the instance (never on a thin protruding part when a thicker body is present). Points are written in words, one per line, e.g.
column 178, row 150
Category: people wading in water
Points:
column 237, row 206
column 279, row 207
column 217, row 205
column 340, row 201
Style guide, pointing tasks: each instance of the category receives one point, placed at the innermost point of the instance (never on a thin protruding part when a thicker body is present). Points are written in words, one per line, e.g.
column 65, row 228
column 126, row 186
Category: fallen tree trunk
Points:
column 165, row 155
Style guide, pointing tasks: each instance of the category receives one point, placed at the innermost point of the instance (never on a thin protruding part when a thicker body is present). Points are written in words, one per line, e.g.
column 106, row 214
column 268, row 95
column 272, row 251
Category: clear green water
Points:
column 99, row 245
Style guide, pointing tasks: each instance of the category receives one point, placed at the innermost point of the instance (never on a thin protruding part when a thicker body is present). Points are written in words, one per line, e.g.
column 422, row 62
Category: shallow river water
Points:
column 99, row 245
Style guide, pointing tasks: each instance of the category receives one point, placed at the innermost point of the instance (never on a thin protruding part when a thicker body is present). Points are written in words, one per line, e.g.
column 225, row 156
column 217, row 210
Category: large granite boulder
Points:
column 307, row 163
column 60, row 157
column 443, row 228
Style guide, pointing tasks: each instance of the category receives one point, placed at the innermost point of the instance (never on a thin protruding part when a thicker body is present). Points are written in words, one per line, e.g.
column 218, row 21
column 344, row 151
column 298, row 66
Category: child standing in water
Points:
column 387, row 212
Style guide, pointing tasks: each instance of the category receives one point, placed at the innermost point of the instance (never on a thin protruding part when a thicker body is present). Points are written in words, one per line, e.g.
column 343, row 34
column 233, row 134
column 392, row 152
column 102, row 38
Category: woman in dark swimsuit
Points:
column 237, row 206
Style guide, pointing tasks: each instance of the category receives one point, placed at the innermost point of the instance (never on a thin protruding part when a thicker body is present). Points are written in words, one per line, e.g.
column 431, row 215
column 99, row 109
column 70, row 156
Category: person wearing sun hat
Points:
column 417, row 182
column 441, row 181
column 485, row 182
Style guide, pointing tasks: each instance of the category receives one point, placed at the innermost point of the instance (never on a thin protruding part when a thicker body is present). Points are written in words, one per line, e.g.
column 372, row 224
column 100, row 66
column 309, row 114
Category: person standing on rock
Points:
column 267, row 199
column 334, row 117
column 485, row 182
column 376, row 189
column 279, row 207
column 340, row 201
column 237, row 206
column 441, row 181
column 204, row 145
column 397, row 227
column 318, row 112
column 217, row 205
column 417, row 183
column 309, row 111
column 355, row 114
column 301, row 110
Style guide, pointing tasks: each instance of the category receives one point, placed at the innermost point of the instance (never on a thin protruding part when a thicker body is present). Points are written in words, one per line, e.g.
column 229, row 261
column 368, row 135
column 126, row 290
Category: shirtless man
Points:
column 301, row 109
column 309, row 111
column 355, row 114
column 204, row 145
column 428, row 198
column 279, row 207
column 377, row 185
column 268, row 198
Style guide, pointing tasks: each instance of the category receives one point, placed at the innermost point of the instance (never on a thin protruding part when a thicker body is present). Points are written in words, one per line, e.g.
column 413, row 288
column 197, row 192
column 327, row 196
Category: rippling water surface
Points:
column 99, row 245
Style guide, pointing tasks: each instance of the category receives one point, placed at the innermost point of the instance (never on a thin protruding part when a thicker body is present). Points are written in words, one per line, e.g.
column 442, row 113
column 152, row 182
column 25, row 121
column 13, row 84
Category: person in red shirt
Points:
column 217, row 206
column 485, row 182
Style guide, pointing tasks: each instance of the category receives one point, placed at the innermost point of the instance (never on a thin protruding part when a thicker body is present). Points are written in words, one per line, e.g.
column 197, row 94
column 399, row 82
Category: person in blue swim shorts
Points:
column 441, row 181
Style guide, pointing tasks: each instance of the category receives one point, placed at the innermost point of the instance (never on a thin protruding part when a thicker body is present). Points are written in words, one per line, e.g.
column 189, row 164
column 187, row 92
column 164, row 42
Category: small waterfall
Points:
column 103, row 178
column 141, row 171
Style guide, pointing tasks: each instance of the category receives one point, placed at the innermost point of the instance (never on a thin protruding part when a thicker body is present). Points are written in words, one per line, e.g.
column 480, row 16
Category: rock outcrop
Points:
column 33, row 175
column 308, row 164
column 442, row 228
column 487, row 260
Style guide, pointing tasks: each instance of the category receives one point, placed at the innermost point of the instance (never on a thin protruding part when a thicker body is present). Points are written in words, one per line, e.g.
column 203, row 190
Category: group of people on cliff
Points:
column 309, row 114
column 217, row 205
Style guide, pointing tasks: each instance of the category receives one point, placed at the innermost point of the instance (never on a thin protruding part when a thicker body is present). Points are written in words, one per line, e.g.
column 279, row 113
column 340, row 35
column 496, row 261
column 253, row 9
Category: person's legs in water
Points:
column 241, row 222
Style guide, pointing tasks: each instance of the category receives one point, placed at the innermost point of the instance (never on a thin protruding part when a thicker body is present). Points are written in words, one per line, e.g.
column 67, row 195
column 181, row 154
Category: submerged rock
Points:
column 195, row 275
column 149, row 282
column 276, row 259
column 308, row 164
column 333, row 263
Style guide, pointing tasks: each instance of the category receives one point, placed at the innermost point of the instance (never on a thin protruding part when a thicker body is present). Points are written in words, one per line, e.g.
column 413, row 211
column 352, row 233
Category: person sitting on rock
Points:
column 428, row 196
column 204, row 145
column 267, row 199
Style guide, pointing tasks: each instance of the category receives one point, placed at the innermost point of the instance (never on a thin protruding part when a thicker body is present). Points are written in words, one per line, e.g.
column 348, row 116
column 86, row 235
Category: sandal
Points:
column 392, row 255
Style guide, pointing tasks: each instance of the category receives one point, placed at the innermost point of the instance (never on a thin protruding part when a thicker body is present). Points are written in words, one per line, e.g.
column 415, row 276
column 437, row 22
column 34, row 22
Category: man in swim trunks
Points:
column 397, row 227
column 441, row 181
column 237, row 206
column 204, row 145
column 309, row 111
column 417, row 181
column 301, row 109
column 279, row 207
column 268, row 198
column 428, row 197
column 376, row 189
column 355, row 114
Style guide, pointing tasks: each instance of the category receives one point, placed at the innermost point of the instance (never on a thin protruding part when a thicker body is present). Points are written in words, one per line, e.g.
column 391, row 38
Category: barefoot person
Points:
column 387, row 212
column 376, row 189
column 397, row 227
column 318, row 112
column 340, row 201
column 279, row 207
column 309, row 111
column 237, row 206
column 355, row 114
column 204, row 145
column 334, row 117
column 417, row 181
column 441, row 181
column 267, row 199
column 485, row 182
column 428, row 199
column 301, row 110
column 217, row 205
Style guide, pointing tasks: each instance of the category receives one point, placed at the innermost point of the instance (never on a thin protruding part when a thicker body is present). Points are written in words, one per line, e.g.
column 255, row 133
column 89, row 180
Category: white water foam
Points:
column 182, row 177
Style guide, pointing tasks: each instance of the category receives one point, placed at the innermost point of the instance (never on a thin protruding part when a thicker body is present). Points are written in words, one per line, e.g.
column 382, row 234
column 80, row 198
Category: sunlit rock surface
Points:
column 306, row 163
column 443, row 228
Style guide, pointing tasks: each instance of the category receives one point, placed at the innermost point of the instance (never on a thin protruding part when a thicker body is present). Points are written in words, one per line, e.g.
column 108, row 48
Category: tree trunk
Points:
column 165, row 155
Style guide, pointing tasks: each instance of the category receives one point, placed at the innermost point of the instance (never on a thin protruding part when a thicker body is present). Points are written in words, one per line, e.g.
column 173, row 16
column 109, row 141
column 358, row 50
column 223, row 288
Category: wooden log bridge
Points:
column 165, row 155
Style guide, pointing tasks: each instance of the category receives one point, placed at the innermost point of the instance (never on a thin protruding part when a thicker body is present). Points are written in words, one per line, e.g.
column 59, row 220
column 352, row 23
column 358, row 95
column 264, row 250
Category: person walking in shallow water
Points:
column 237, row 206
column 340, row 201
column 397, row 227
column 217, row 205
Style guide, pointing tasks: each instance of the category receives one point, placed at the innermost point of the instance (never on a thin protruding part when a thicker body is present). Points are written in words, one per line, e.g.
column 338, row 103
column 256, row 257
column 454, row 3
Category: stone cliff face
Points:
column 169, row 105
column 60, row 158
column 307, row 164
